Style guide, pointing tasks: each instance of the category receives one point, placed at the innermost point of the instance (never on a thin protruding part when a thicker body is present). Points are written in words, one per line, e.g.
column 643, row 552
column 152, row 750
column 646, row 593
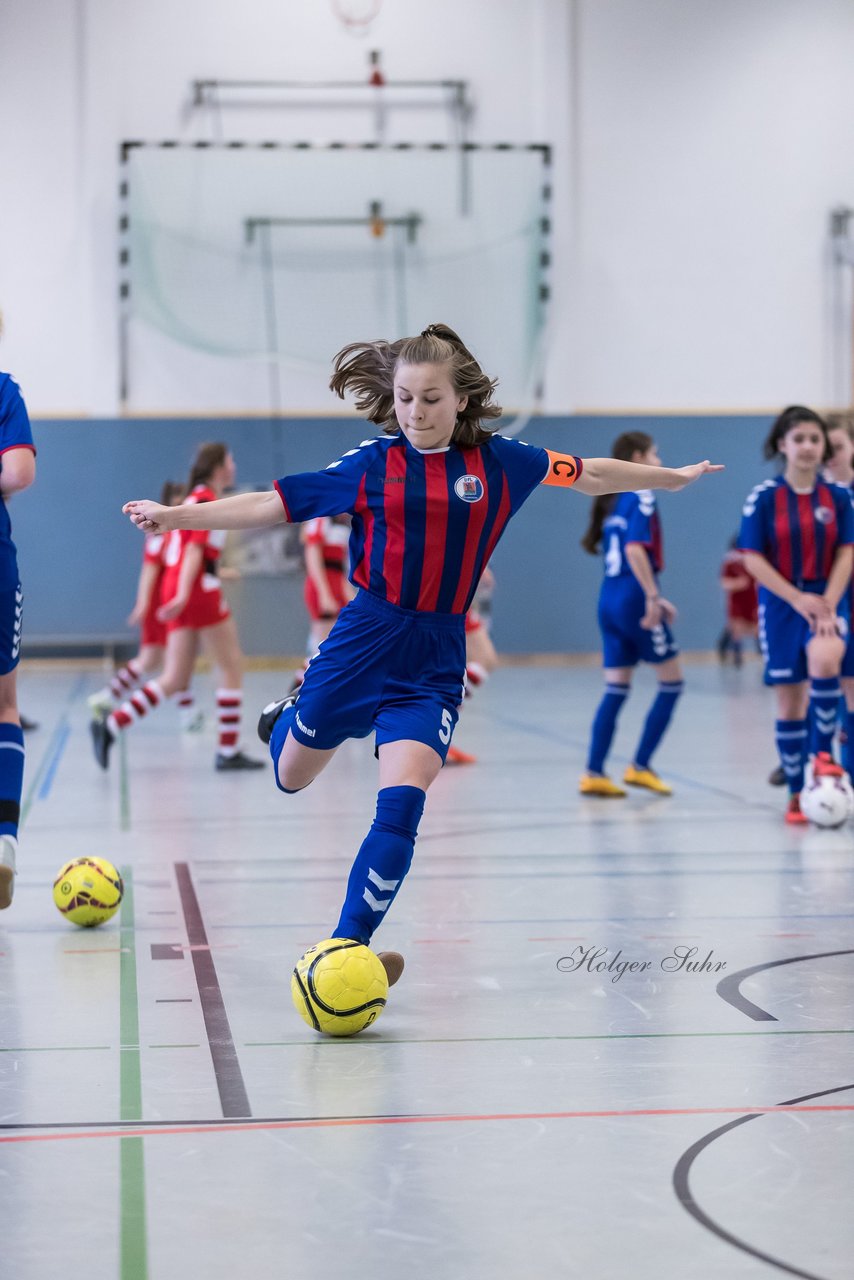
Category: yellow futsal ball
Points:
column 339, row 986
column 88, row 891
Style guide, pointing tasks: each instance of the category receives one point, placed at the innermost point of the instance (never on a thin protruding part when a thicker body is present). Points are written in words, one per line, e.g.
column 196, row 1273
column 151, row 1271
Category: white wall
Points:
column 698, row 150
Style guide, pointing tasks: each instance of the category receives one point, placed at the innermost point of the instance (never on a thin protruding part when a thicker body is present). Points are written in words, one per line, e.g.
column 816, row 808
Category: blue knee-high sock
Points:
column 791, row 738
column 381, row 863
column 848, row 749
column 277, row 741
column 657, row 720
column 824, row 705
column 604, row 725
column 11, row 777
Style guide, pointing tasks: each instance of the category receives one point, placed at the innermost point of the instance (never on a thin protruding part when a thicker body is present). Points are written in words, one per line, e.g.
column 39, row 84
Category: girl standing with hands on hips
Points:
column 429, row 497
column 797, row 533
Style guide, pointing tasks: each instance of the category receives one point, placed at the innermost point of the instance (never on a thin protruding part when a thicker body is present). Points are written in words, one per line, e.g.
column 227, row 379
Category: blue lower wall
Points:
column 79, row 556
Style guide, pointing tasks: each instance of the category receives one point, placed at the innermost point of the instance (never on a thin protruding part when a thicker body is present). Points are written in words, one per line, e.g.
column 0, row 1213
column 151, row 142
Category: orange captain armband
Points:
column 564, row 469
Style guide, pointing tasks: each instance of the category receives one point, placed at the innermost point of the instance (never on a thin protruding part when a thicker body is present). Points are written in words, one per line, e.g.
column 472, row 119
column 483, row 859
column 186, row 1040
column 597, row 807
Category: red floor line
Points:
column 357, row 1121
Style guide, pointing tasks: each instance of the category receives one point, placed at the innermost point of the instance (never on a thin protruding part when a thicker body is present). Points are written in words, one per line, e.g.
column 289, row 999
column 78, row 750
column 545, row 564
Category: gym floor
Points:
column 516, row 1110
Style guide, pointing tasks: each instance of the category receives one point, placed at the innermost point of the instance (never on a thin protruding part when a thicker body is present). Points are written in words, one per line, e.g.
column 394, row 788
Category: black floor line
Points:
column 685, row 1196
column 229, row 1078
column 729, row 987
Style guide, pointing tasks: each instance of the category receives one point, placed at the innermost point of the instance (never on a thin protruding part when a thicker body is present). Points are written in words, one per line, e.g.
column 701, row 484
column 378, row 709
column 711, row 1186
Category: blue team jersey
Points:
column 15, row 433
column 424, row 523
column 798, row 533
column 633, row 518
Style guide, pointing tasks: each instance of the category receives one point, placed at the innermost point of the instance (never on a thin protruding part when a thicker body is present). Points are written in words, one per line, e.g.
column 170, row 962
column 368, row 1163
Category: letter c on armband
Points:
column 563, row 469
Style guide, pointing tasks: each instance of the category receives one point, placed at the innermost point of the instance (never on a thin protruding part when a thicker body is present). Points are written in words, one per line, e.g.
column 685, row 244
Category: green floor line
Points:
column 634, row 1035
column 59, row 1048
column 175, row 1046
column 124, row 785
column 133, row 1246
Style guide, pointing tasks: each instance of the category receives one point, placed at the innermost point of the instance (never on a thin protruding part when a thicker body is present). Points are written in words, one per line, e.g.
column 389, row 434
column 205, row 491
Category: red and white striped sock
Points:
column 476, row 675
column 229, row 708
column 125, row 679
column 138, row 705
column 186, row 703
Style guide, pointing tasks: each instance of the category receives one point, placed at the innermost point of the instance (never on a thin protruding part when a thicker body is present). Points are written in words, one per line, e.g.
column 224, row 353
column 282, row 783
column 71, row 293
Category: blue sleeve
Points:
column 753, row 534
column 525, row 465
column 330, row 492
column 15, row 430
column 639, row 519
column 845, row 517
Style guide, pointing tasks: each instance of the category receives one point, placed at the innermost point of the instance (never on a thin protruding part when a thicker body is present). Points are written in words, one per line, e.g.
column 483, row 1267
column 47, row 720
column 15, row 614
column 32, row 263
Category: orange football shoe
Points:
column 824, row 766
column 794, row 817
column 455, row 756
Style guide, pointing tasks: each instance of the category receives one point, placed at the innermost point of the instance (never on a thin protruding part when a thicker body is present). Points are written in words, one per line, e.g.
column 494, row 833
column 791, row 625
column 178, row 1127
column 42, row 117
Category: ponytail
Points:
column 624, row 448
column 208, row 458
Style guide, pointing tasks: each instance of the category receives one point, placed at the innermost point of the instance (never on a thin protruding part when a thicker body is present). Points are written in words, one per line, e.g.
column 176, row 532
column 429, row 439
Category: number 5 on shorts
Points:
column 447, row 727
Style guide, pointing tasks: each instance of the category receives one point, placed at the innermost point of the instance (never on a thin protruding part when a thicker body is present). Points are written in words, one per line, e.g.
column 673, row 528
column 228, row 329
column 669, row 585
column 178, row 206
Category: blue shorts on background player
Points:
column 634, row 619
column 797, row 533
column 17, row 472
column 429, row 498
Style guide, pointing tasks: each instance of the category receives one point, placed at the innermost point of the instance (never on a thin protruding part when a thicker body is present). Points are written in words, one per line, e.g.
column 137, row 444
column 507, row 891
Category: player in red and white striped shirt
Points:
column 193, row 610
column 152, row 641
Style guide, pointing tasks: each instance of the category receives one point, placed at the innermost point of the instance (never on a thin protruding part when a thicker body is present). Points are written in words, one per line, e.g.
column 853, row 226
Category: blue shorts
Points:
column 784, row 636
column 385, row 670
column 625, row 642
column 11, row 610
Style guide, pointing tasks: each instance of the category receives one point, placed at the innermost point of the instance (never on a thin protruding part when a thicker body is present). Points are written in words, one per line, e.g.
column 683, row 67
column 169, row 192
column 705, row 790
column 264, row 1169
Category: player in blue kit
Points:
column 634, row 619
column 429, row 500
column 839, row 469
column 797, row 533
column 17, row 472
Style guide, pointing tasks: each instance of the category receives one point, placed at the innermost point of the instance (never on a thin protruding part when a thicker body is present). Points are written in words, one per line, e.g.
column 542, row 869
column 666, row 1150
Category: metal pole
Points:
column 269, row 284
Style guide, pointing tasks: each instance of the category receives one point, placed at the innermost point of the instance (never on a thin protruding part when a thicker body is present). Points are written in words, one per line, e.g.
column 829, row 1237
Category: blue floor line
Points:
column 63, row 733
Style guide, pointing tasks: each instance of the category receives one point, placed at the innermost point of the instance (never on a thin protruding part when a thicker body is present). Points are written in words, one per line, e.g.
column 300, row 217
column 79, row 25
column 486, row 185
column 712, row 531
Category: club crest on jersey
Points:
column 823, row 515
column 469, row 488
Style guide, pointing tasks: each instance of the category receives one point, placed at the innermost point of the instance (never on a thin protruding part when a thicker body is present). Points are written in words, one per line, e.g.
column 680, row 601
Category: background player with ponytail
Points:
column 634, row 619
column 152, row 640
column 430, row 497
column 193, row 609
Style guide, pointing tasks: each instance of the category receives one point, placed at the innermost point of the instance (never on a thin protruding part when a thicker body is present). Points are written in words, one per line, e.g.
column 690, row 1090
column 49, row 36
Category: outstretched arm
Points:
column 612, row 475
column 241, row 511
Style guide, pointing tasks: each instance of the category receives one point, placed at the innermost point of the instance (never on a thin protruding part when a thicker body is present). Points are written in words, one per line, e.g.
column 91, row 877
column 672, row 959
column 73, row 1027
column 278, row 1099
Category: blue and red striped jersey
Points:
column 798, row 533
column 424, row 522
column 15, row 433
column 633, row 518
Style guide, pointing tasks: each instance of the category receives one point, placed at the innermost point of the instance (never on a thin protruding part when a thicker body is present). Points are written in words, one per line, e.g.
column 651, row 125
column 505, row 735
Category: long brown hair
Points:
column 172, row 493
column 208, row 458
column 624, row 447
column 367, row 370
column 791, row 417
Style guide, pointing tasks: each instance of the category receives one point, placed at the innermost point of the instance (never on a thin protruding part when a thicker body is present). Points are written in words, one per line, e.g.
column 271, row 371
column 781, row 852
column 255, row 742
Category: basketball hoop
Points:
column 356, row 16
